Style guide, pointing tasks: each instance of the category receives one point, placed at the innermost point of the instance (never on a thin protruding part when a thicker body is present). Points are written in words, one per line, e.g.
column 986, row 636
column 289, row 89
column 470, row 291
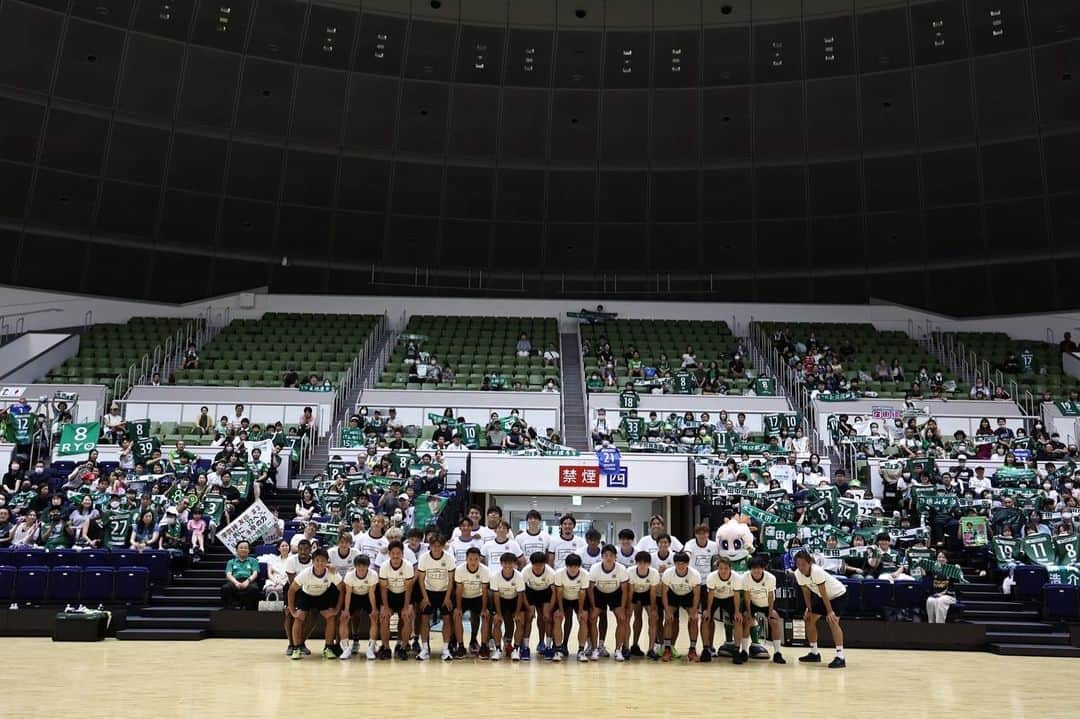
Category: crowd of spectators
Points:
column 376, row 431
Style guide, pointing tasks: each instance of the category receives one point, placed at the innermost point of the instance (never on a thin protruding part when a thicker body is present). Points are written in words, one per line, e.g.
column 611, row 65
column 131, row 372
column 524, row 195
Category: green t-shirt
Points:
column 470, row 434
column 118, row 529
column 241, row 569
column 628, row 399
column 684, row 382
column 633, row 428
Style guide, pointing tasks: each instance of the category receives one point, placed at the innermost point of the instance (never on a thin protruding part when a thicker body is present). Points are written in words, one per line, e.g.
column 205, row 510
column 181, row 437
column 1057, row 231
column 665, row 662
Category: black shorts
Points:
column 471, row 604
column 607, row 600
column 725, row 607
column 503, row 606
column 703, row 599
column 818, row 607
column 360, row 604
column 537, row 597
column 571, row 606
column 395, row 601
column 680, row 601
column 641, row 598
column 416, row 597
column 327, row 600
column 435, row 600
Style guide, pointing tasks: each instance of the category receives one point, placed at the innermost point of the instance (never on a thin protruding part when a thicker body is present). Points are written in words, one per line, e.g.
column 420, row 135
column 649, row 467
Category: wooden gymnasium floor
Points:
column 252, row 678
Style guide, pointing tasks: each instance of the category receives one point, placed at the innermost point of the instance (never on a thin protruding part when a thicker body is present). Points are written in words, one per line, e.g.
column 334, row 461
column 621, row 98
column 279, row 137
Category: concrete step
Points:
column 1012, row 626
column 1003, row 615
column 188, row 600
column 1034, row 650
column 1028, row 637
column 168, row 622
column 177, row 611
column 162, row 635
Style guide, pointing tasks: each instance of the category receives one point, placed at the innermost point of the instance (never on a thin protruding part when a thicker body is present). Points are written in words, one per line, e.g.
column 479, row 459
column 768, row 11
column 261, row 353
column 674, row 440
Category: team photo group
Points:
column 486, row 591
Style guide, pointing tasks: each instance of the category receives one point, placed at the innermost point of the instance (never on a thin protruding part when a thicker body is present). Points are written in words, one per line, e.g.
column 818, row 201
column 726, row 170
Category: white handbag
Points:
column 272, row 603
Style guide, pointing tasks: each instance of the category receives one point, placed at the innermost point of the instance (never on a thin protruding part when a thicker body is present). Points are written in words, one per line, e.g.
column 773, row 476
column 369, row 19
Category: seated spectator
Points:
column 144, row 535
column 897, row 371
column 634, row 365
column 307, row 507
column 196, row 527
column 601, row 429
column 887, row 562
column 308, row 534
column 112, row 425
column 1067, row 344
column 54, row 530
column 595, row 382
column 27, row 532
column 689, row 359
column 551, row 356
column 6, row 527
column 550, row 387
column 291, row 378
column 307, row 424
column 942, row 595
column 241, row 589
column 524, row 346
column 979, row 390
column 276, row 576
column 736, row 368
column 191, row 358
column 882, row 373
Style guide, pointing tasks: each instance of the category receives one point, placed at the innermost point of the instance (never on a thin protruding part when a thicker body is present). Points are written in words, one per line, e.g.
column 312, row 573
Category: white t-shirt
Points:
column 608, row 582
column 384, row 557
column 417, row 552
column 294, row 566
column 723, row 588
column 833, row 586
column 648, row 544
column 759, row 591
column 361, row 585
column 531, row 543
column 588, row 561
column 436, row 571
column 343, row 565
column 460, row 547
column 662, row 564
column 493, row 551
column 396, row 578
column 315, row 586
column 572, row 587
column 507, row 588
column 295, row 542
column 371, row 546
column 681, row 584
column 627, row 560
column 640, row 584
column 701, row 557
column 563, row 548
column 472, row 583
column 482, row 533
column 539, row 582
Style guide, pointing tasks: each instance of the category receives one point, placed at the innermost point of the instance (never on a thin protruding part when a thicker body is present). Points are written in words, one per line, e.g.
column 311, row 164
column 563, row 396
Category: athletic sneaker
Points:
column 459, row 651
column 356, row 646
column 666, row 656
column 328, row 653
column 485, row 652
column 741, row 658
column 415, row 646
column 619, row 656
column 385, row 653
column 557, row 656
column 507, row 647
column 583, row 655
column 297, row 654
column 811, row 657
column 758, row 652
column 692, row 656
column 652, row 655
column 289, row 650
column 446, row 655
column 595, row 656
column 400, row 652
column 474, row 648
column 336, row 649
column 496, row 655
column 635, row 651
column 706, row 655
column 778, row 658
column 423, row 655
column 727, row 649
column 304, row 650
column 346, row 652
column 515, row 655
column 370, row 651
column 837, row 663
column 602, row 651
column 524, row 653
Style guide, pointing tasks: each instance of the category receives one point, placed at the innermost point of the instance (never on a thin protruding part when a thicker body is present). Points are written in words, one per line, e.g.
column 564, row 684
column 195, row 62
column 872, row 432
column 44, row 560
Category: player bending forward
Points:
column 359, row 601
column 507, row 607
column 759, row 591
column 682, row 591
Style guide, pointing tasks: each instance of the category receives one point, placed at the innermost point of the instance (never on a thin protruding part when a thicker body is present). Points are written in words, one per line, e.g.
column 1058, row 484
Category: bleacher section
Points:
column 712, row 341
column 475, row 347
column 107, row 350
column 1044, row 374
column 257, row 352
column 871, row 345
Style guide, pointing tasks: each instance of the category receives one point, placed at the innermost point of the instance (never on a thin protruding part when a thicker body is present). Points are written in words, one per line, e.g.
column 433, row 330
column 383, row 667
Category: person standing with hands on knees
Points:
column 825, row 596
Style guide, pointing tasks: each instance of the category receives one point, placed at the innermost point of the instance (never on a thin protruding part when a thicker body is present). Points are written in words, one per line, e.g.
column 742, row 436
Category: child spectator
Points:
column 196, row 526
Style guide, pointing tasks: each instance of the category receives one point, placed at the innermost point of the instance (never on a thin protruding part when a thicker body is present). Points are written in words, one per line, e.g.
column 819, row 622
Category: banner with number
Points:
column 78, row 438
column 1067, row 548
column 551, row 449
column 142, row 443
column 19, row 428
column 765, row 387
column 213, row 506
column 352, row 437
column 252, row 525
column 773, row 423
column 974, row 531
column 1038, row 548
column 1069, row 409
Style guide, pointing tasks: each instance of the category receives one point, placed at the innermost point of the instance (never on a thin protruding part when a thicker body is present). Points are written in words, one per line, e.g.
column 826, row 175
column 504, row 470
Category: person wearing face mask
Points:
column 12, row 478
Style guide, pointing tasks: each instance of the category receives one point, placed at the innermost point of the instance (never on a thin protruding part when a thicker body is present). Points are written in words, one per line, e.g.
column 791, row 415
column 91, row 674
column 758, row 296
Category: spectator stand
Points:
column 950, row 415
column 1062, row 418
column 181, row 404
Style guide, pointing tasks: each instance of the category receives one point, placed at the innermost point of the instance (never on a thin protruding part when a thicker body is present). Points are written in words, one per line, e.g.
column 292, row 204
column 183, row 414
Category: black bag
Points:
column 80, row 626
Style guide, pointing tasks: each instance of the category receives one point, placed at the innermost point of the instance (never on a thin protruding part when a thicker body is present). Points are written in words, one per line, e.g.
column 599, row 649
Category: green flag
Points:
column 1039, row 548
column 213, row 506
column 241, row 479
column 427, row 509
column 765, row 387
column 352, row 437
column 1067, row 548
column 77, row 438
column 138, row 431
column 19, row 428
column 775, row 536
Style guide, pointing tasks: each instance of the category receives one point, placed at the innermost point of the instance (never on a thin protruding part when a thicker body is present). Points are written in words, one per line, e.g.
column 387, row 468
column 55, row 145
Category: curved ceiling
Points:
column 921, row 152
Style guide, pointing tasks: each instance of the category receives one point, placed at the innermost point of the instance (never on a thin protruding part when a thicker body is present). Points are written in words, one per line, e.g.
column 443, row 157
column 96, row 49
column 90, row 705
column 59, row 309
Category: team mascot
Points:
column 735, row 542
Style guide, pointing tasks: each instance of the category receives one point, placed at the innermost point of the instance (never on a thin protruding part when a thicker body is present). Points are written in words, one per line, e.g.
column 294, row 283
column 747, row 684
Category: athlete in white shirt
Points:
column 644, row 581
column 373, row 542
column 507, row 606
column 626, row 552
column 566, row 543
column 540, row 600
column 682, row 590
column 649, row 542
column 591, row 556
column 571, row 598
column 723, row 588
column 663, row 558
column 342, row 556
column 825, row 596
column 315, row 589
column 494, row 549
column 609, row 589
column 532, row 539
column 434, row 571
column 396, row 578
column 464, row 540
column 485, row 534
column 702, row 550
column 759, row 588
column 359, row 586
column 472, row 580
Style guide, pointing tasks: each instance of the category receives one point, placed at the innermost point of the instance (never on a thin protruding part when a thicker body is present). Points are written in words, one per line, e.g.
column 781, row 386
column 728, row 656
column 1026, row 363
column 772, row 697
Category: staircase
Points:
column 1013, row 627
column 575, row 430
column 181, row 610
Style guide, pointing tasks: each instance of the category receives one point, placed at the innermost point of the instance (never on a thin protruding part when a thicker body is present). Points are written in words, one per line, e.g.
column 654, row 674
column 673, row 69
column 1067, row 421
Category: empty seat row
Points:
column 38, row 583
column 155, row 561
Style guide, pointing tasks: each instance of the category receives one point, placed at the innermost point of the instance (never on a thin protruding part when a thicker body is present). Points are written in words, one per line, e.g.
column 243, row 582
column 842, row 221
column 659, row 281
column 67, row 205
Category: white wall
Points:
column 1067, row 427
column 539, row 409
column 262, row 405
column 647, row 475
column 72, row 308
column 33, row 355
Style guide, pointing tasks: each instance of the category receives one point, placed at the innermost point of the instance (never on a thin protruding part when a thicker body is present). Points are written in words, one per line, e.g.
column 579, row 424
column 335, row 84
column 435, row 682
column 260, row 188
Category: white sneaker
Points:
column 346, row 652
column 496, row 655
column 446, row 653
column 370, row 651
column 603, row 651
column 583, row 655
column 423, row 654
column 515, row 655
column 595, row 656
column 557, row 656
column 619, row 656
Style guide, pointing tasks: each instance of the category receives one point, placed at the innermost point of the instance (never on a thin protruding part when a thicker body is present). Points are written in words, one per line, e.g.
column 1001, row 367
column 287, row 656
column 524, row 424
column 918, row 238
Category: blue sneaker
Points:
column 523, row 652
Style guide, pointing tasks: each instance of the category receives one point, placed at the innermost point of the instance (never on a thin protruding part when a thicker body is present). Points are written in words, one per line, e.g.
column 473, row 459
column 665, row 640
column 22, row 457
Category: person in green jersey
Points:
column 241, row 588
